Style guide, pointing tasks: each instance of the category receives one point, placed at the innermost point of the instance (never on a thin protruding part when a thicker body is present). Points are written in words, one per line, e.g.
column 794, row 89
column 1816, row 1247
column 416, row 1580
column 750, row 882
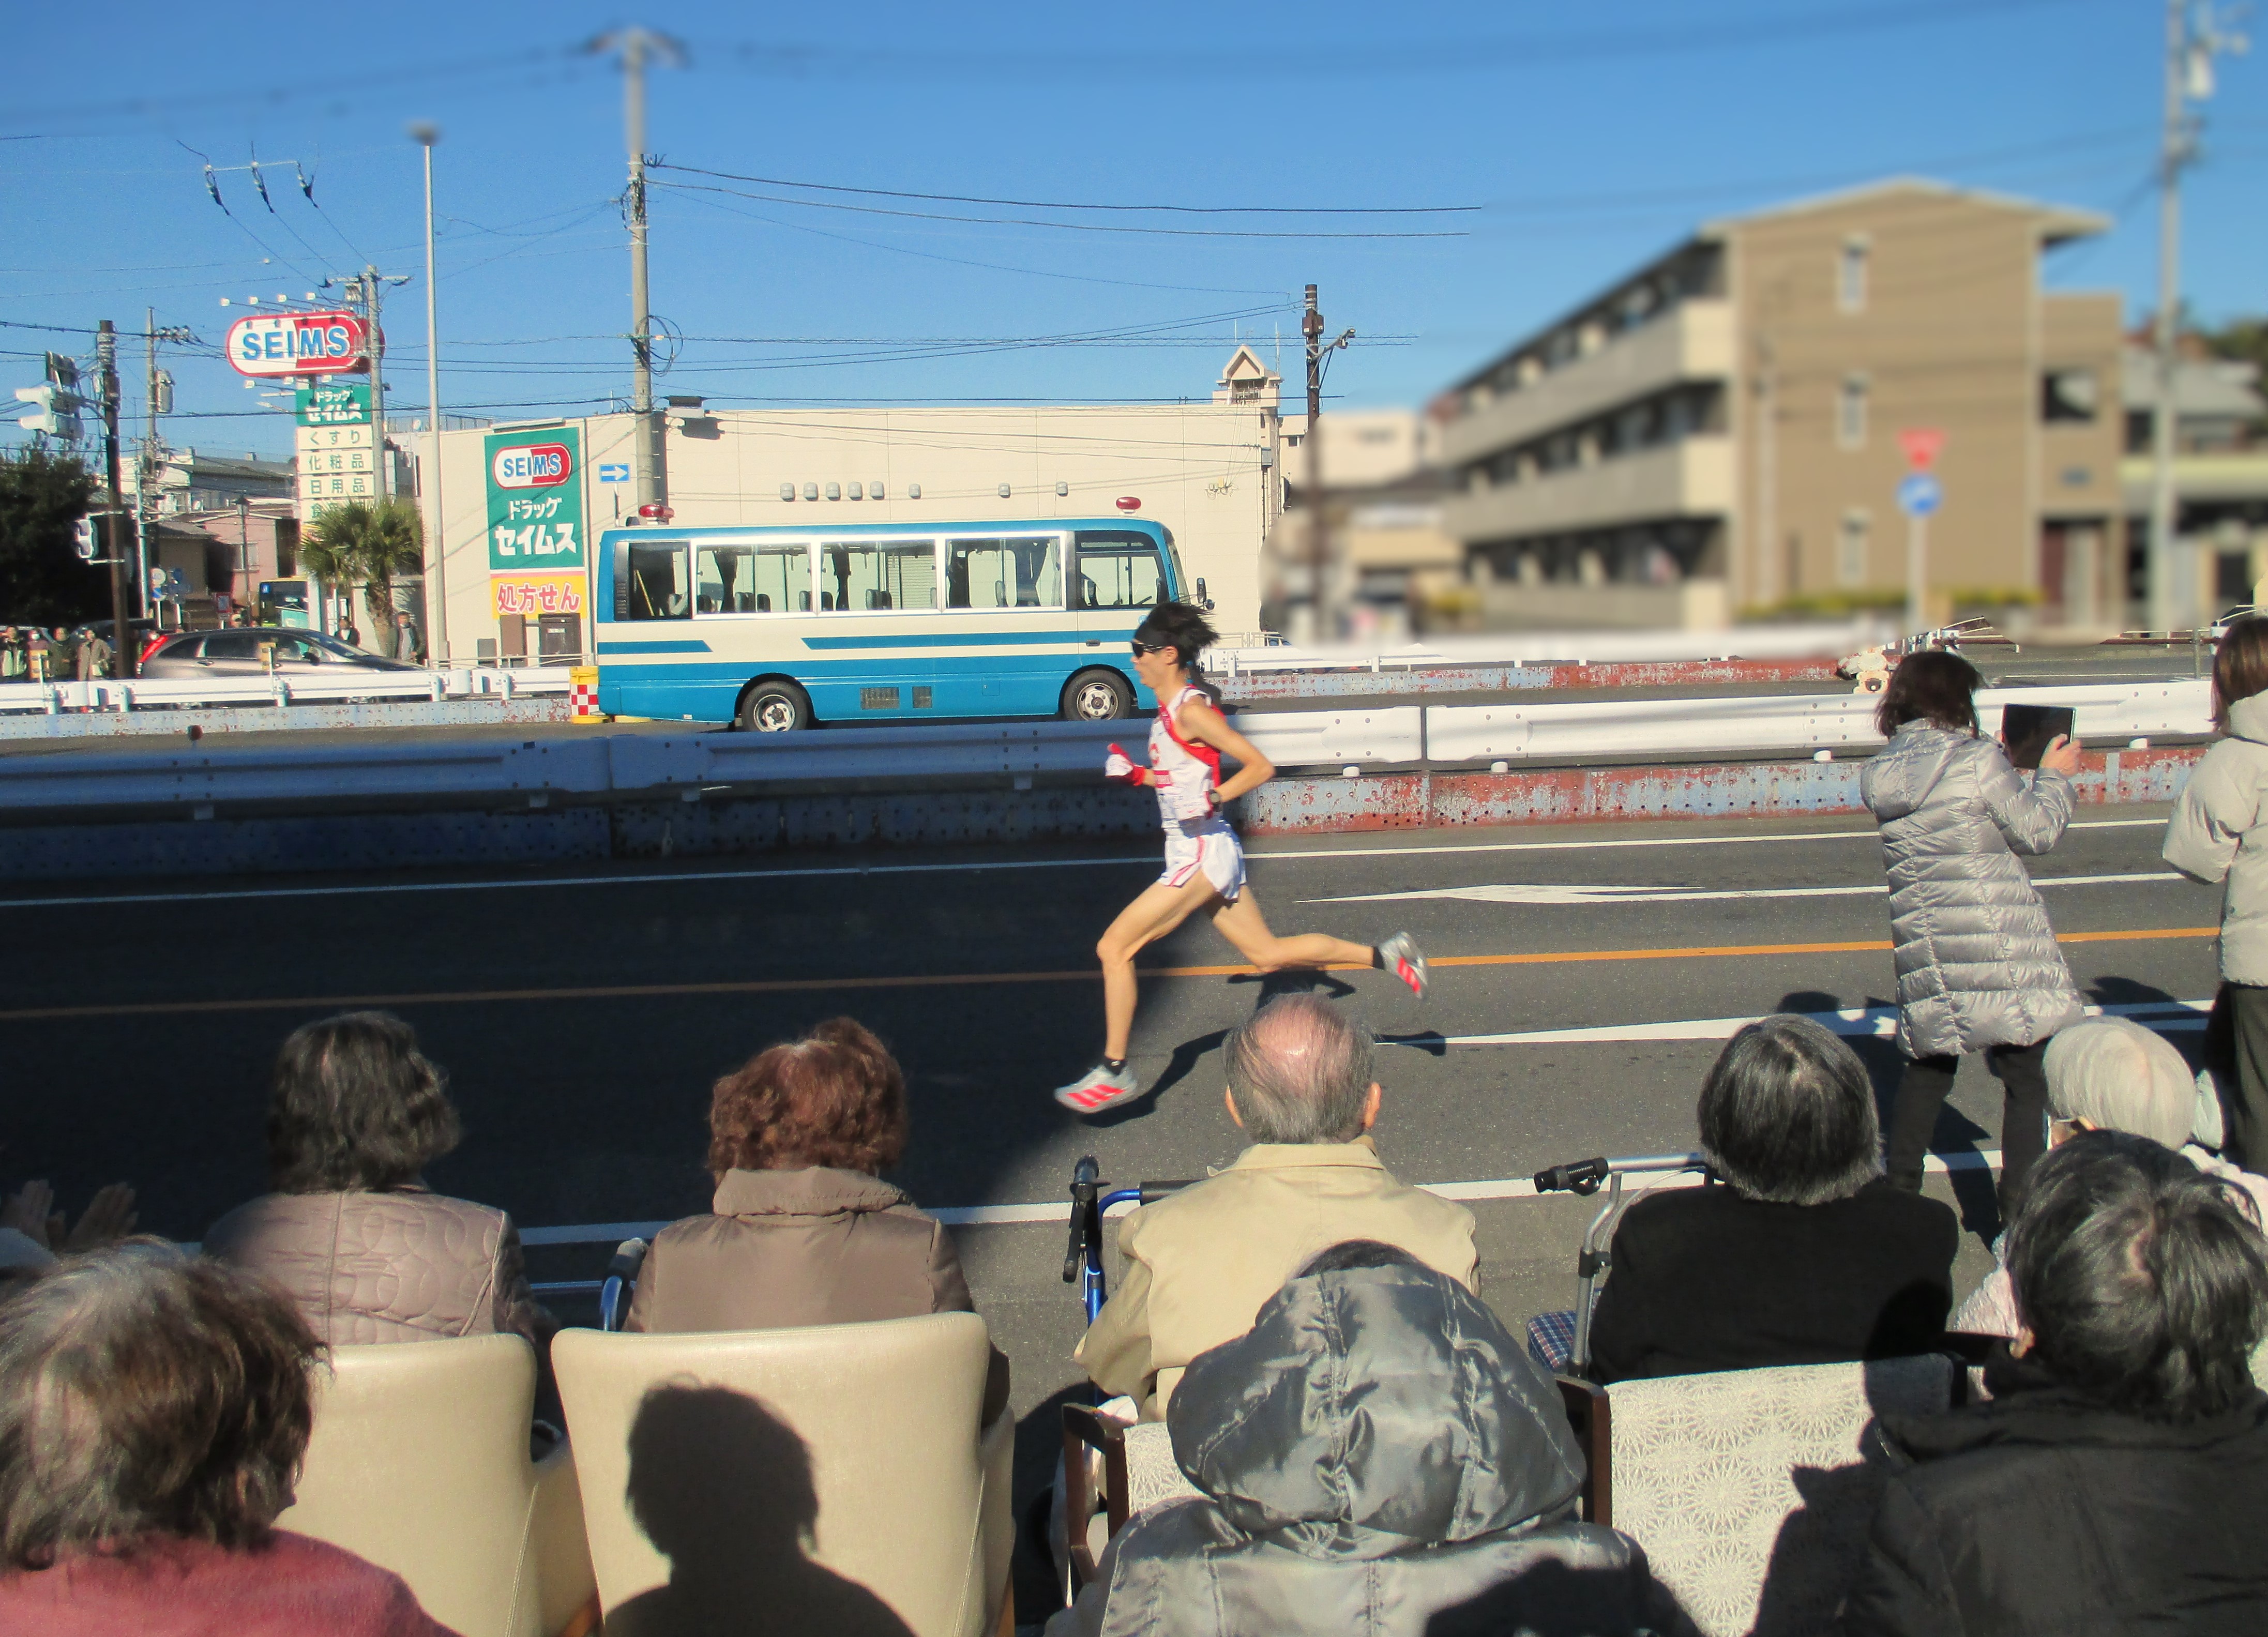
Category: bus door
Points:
column 1121, row 577
column 1004, row 593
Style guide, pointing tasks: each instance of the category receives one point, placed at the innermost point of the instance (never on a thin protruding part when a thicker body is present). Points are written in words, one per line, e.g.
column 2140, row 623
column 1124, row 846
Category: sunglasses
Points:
column 1141, row 647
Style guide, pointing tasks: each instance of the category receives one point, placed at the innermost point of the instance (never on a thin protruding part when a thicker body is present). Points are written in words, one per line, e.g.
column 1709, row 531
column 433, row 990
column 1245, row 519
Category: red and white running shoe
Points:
column 1400, row 955
column 1099, row 1089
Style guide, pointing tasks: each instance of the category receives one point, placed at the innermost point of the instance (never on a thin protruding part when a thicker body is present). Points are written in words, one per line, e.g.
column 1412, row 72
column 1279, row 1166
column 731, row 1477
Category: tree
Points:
column 358, row 543
column 42, row 580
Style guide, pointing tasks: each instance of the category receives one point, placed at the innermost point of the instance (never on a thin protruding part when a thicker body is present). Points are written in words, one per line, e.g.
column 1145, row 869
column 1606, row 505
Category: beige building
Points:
column 1718, row 432
column 1206, row 469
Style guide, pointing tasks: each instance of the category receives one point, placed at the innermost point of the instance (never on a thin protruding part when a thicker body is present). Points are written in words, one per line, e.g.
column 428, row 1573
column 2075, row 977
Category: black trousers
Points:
column 1921, row 1093
column 2236, row 1052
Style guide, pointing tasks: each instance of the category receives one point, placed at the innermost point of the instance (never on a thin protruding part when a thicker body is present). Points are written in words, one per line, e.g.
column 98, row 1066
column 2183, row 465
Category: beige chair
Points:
column 1751, row 1491
column 419, row 1463
column 791, row 1473
column 1137, row 1469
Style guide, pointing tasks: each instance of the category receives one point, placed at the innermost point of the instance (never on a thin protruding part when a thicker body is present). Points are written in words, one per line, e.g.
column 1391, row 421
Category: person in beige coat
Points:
column 802, row 1230
column 1200, row 1264
column 367, row 1252
column 2218, row 834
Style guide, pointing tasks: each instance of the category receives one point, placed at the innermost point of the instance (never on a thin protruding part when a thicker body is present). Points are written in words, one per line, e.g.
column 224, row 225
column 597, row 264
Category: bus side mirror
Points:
column 1203, row 601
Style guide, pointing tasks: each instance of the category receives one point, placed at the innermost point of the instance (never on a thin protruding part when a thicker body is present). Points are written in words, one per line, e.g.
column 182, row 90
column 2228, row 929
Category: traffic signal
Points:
column 59, row 400
column 83, row 535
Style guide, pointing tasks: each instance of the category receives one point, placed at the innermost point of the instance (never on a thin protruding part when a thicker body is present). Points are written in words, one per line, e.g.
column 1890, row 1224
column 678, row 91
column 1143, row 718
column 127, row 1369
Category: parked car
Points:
column 236, row 651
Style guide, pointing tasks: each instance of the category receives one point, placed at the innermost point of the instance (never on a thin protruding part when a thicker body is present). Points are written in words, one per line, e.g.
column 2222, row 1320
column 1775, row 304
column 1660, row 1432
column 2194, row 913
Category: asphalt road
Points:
column 582, row 1014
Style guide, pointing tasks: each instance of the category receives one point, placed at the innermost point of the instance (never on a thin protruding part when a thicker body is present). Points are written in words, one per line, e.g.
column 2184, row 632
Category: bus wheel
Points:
column 1097, row 697
column 775, row 707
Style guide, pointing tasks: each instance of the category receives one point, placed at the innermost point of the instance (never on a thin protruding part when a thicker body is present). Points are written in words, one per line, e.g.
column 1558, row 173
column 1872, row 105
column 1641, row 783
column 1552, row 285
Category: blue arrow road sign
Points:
column 609, row 473
column 1920, row 494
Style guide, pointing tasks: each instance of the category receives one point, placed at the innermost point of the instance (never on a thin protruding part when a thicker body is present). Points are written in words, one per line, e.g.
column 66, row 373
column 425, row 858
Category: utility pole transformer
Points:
column 122, row 634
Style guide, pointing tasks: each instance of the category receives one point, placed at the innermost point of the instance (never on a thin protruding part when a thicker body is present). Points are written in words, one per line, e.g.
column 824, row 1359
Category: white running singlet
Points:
column 1197, row 837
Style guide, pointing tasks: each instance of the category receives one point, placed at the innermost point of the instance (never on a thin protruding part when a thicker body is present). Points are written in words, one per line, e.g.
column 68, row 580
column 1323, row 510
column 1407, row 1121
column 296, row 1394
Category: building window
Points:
column 1851, row 544
column 1851, row 275
column 2068, row 395
column 1851, row 413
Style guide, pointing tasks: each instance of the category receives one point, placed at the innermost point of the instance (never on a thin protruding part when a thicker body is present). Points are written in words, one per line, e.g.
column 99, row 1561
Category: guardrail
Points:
column 630, row 765
column 297, row 688
column 1605, row 729
column 1832, row 641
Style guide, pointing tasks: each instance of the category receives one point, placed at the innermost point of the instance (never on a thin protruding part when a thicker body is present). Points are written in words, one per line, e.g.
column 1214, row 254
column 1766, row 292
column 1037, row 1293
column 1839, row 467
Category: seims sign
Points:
column 533, row 466
column 298, row 344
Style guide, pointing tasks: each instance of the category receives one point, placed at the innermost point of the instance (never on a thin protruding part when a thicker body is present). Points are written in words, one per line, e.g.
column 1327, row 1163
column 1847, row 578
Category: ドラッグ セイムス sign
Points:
column 535, row 499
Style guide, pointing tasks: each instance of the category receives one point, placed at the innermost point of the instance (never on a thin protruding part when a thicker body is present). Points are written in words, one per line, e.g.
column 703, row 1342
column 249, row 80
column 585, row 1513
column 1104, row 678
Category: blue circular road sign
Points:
column 1920, row 494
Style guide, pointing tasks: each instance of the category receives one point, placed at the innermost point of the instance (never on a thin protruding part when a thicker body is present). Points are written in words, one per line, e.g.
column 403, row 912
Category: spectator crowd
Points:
column 1365, row 1445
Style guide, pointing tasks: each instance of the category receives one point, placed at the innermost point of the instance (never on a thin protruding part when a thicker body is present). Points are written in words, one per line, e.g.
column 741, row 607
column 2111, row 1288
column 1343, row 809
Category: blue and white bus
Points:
column 776, row 627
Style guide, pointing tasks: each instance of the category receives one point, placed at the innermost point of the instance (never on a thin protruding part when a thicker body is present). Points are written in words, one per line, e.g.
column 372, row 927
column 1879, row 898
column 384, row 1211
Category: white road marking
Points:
column 1058, row 1212
column 1540, row 893
column 1861, row 1022
column 828, row 872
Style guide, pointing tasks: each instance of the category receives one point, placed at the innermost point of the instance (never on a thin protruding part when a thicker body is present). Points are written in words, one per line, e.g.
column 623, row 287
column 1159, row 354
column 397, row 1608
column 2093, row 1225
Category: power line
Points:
column 1034, row 221
column 1058, row 205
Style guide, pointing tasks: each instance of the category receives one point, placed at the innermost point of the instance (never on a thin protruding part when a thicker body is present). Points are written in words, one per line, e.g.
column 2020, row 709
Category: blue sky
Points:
column 1591, row 136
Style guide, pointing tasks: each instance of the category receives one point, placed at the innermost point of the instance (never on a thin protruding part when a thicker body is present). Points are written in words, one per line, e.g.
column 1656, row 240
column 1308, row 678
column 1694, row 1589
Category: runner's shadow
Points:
column 1428, row 1040
column 1297, row 981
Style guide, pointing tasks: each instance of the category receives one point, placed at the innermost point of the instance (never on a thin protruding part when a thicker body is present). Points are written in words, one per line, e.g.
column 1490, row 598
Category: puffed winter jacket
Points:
column 1379, row 1457
column 1976, row 959
column 2042, row 1513
column 407, row 1264
column 2219, row 833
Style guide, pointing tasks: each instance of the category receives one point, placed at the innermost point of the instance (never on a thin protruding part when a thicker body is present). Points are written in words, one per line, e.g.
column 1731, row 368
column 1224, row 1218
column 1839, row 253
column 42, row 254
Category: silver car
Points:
column 259, row 650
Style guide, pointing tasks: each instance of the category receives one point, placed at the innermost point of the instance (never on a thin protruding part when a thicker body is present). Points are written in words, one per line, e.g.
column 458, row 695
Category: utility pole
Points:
column 122, row 634
column 2193, row 38
column 367, row 289
column 161, row 402
column 1311, row 326
column 436, row 591
column 1767, row 588
column 649, row 459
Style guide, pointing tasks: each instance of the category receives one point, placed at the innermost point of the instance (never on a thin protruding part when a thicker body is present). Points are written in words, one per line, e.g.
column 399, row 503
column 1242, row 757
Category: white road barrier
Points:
column 293, row 688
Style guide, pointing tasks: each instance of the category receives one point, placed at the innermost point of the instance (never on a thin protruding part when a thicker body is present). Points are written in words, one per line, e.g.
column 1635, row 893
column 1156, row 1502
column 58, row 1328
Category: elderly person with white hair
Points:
column 1200, row 1263
column 2111, row 1074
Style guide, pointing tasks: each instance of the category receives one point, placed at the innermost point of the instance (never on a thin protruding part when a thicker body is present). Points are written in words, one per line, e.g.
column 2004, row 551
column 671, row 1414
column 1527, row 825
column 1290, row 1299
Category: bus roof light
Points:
column 1129, row 503
column 654, row 511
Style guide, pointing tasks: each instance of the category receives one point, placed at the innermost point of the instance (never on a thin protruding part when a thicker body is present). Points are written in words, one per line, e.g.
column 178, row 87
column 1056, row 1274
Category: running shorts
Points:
column 1208, row 845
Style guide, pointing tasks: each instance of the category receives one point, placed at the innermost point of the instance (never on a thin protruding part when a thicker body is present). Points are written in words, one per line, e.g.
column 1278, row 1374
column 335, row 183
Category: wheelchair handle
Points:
column 1086, row 1182
column 1583, row 1176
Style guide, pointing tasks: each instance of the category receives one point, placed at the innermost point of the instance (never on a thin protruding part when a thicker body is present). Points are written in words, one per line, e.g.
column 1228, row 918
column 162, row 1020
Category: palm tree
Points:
column 358, row 542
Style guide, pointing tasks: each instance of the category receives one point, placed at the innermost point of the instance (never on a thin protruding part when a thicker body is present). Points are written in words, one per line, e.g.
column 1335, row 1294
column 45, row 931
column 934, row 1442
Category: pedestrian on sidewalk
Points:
column 14, row 666
column 1979, row 968
column 94, row 656
column 2219, row 833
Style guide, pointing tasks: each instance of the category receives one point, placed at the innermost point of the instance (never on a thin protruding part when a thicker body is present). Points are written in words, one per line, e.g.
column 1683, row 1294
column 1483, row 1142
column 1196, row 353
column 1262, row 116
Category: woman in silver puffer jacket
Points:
column 1978, row 968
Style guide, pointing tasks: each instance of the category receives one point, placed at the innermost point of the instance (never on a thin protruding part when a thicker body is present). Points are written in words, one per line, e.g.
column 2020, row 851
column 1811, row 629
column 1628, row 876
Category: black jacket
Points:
column 2042, row 1512
column 1380, row 1459
column 1706, row 1279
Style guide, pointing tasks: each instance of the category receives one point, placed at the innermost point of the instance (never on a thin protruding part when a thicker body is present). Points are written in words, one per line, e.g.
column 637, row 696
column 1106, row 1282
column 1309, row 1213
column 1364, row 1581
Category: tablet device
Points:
column 2028, row 729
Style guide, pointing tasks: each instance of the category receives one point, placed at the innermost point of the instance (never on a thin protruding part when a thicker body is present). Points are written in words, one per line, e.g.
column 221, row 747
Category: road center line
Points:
column 959, row 980
column 833, row 872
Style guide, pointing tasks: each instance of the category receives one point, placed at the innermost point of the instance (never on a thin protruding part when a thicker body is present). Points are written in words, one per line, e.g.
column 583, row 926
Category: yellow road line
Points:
column 952, row 980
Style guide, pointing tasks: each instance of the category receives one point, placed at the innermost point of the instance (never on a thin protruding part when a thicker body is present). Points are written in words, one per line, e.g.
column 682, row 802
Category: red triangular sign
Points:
column 1921, row 445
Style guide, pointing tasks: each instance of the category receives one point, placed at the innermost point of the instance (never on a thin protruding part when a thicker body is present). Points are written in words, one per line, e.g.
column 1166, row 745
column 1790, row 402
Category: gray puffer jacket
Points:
column 2220, row 833
column 1379, row 1457
column 1978, row 961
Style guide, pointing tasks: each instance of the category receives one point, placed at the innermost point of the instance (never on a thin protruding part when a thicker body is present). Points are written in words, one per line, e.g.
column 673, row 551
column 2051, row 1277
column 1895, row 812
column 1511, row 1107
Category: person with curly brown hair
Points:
column 154, row 1411
column 802, row 1230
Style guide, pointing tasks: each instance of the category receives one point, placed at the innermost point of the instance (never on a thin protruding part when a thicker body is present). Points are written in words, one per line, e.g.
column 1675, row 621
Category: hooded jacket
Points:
column 1976, row 958
column 2219, row 833
column 1379, row 1458
column 2042, row 1512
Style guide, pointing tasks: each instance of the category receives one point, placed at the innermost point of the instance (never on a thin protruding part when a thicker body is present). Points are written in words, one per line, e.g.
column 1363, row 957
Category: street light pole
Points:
column 436, row 545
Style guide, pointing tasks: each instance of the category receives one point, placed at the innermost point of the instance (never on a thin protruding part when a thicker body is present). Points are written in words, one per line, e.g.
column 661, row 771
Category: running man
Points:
column 1205, row 863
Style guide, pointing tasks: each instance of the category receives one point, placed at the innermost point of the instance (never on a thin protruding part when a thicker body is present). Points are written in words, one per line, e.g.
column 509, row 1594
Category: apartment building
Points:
column 1717, row 432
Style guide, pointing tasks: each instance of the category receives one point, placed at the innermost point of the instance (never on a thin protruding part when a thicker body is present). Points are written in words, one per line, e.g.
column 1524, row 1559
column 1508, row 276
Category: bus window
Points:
column 1119, row 570
column 874, row 576
column 754, row 579
column 1019, row 574
column 652, row 583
